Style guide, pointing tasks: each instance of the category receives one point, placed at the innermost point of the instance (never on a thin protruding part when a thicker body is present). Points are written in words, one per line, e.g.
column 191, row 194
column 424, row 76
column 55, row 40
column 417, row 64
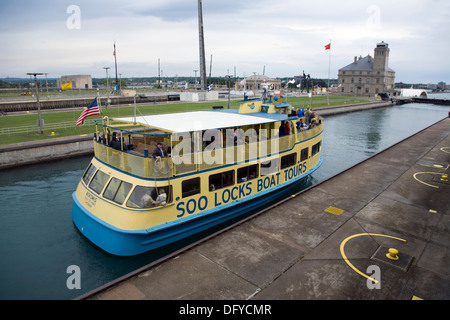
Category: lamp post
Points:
column 195, row 81
column 37, row 97
column 107, row 84
column 46, row 84
column 229, row 91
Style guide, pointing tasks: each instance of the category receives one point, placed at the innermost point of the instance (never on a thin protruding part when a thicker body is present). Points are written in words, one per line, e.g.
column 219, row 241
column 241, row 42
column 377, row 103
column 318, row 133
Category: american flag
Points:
column 91, row 110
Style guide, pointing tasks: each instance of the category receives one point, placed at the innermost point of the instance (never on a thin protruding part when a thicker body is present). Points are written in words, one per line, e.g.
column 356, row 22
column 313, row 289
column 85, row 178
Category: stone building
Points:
column 78, row 81
column 262, row 82
column 368, row 76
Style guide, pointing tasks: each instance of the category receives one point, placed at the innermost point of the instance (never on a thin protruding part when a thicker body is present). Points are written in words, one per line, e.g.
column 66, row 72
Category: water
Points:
column 443, row 95
column 352, row 137
column 38, row 240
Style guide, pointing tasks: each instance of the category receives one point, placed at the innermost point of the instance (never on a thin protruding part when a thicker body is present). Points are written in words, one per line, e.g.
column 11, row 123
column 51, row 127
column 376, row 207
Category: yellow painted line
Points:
column 335, row 211
column 416, row 298
column 359, row 235
column 430, row 185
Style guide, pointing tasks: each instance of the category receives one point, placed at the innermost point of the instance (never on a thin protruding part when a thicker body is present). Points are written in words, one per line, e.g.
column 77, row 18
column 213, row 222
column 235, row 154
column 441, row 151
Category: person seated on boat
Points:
column 162, row 197
column 287, row 127
column 112, row 138
column 114, row 143
column 147, row 200
column 159, row 151
column 282, row 130
column 301, row 112
column 301, row 126
column 102, row 138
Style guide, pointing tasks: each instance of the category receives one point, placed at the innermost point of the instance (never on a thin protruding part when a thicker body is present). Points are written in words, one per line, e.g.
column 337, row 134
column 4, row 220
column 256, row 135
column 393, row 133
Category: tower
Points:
column 381, row 57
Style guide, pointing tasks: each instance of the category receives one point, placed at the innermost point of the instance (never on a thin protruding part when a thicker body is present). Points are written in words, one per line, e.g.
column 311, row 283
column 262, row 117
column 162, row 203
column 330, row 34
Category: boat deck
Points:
column 324, row 242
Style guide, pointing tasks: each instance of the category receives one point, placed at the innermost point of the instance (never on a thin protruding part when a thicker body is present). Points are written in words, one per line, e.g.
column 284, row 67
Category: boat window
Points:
column 304, row 154
column 99, row 181
column 117, row 190
column 289, row 160
column 315, row 148
column 221, row 180
column 269, row 167
column 247, row 173
column 190, row 187
column 89, row 173
column 149, row 197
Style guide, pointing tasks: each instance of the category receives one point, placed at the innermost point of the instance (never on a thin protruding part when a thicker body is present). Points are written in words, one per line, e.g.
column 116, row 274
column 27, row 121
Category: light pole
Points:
column 229, row 91
column 37, row 97
column 254, row 85
column 195, row 81
column 107, row 84
column 46, row 83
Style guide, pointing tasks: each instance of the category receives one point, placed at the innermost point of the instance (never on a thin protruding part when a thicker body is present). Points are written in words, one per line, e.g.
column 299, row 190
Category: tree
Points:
column 112, row 83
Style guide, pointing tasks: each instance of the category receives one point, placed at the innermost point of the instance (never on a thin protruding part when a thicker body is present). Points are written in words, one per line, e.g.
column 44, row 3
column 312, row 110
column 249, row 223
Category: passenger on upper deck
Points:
column 287, row 127
column 114, row 143
column 301, row 126
column 309, row 115
column 159, row 151
column 301, row 112
column 102, row 138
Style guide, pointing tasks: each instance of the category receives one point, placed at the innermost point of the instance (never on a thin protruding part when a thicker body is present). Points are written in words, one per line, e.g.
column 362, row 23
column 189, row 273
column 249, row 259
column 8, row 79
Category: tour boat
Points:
column 214, row 166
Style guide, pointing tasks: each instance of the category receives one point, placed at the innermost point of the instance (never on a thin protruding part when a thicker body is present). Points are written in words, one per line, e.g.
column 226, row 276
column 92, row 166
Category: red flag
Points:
column 328, row 46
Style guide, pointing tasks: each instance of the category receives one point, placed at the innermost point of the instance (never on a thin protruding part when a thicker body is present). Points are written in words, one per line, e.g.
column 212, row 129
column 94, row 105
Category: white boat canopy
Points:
column 203, row 120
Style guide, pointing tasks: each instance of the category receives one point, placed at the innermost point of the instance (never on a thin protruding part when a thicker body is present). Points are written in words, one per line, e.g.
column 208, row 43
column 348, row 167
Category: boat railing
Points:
column 161, row 168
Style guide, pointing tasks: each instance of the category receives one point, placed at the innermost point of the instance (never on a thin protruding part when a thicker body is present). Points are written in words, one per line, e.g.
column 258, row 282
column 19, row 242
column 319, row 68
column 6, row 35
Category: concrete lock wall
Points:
column 25, row 155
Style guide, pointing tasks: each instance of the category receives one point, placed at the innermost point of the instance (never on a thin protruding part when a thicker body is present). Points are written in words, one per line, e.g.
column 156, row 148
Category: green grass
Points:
column 12, row 121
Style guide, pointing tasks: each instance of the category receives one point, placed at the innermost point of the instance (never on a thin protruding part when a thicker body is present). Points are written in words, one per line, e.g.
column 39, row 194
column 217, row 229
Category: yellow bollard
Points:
column 444, row 178
column 393, row 254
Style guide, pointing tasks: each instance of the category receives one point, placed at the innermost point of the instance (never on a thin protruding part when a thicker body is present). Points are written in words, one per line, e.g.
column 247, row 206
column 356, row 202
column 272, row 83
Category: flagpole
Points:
column 115, row 58
column 99, row 101
column 329, row 67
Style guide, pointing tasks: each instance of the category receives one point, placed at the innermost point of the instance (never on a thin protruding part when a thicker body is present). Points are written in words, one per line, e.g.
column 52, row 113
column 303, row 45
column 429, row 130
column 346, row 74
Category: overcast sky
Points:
column 285, row 36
